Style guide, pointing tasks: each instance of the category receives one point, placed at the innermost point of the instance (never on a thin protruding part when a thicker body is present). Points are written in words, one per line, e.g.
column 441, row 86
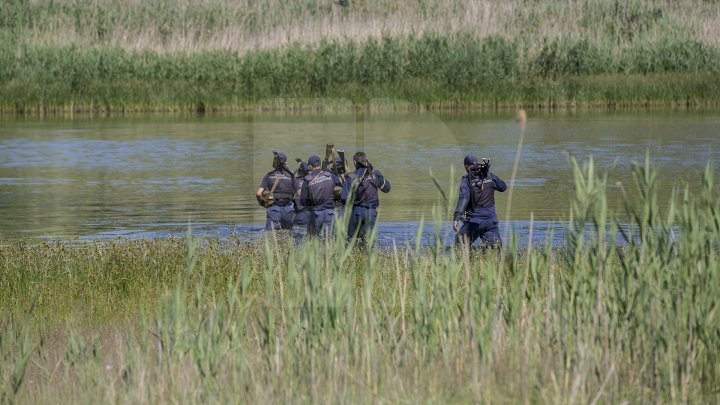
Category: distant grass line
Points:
column 432, row 71
column 618, row 313
column 171, row 26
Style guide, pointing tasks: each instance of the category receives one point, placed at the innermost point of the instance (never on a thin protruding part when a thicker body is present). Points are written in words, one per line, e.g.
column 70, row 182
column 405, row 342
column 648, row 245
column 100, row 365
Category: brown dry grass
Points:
column 245, row 25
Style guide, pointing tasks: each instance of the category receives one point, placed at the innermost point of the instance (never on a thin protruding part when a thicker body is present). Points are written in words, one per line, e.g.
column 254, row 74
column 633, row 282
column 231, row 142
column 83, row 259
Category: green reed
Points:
column 625, row 310
column 112, row 55
column 431, row 71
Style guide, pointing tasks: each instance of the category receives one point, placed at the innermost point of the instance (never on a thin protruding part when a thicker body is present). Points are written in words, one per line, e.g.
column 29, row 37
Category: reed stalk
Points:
column 619, row 312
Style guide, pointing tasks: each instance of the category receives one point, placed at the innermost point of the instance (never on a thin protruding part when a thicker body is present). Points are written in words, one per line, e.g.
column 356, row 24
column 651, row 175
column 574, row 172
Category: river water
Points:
column 137, row 176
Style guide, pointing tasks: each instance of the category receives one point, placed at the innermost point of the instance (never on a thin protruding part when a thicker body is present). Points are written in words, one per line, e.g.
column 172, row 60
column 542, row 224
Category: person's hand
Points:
column 456, row 226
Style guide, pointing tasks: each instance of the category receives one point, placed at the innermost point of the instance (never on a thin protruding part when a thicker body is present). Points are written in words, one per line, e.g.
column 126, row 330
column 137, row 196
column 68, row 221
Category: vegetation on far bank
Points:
column 158, row 321
column 97, row 55
column 428, row 72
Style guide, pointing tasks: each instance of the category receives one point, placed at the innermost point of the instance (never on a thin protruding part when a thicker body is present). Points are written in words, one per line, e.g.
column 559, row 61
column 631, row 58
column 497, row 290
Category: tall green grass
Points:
column 431, row 71
column 622, row 312
column 71, row 55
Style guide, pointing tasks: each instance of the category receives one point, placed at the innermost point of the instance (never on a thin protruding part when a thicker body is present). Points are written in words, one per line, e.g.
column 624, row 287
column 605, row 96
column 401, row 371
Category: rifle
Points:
column 368, row 171
column 276, row 160
column 302, row 169
column 329, row 156
column 359, row 181
column 344, row 167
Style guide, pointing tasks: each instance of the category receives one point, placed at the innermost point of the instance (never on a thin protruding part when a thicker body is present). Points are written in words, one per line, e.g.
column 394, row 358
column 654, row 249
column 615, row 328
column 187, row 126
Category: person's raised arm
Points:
column 499, row 184
column 381, row 182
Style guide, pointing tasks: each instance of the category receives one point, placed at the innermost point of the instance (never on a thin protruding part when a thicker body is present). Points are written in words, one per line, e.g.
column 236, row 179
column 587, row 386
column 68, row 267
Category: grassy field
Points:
column 107, row 55
column 616, row 314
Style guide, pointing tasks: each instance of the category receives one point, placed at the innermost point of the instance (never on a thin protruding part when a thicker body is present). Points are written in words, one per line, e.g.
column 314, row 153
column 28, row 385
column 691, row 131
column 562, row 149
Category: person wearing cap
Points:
column 301, row 214
column 280, row 182
column 318, row 197
column 360, row 192
column 339, row 206
column 476, row 204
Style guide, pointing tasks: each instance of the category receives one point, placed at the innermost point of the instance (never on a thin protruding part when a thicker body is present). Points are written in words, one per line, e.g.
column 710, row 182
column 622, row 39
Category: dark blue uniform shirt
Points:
column 319, row 190
column 366, row 193
column 477, row 197
column 285, row 189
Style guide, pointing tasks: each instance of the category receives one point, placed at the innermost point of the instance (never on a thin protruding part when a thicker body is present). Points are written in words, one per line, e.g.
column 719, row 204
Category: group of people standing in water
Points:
column 320, row 190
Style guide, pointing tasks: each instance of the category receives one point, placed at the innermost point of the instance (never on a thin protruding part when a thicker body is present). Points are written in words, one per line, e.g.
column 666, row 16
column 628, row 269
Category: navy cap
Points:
column 314, row 160
column 281, row 156
column 470, row 160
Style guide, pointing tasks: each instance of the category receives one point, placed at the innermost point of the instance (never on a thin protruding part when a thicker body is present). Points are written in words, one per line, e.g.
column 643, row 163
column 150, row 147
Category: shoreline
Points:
column 286, row 106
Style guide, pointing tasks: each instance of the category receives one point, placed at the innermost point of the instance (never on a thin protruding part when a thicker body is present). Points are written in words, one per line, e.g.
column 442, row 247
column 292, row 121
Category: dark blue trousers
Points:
column 362, row 221
column 301, row 218
column 485, row 229
column 320, row 221
column 280, row 217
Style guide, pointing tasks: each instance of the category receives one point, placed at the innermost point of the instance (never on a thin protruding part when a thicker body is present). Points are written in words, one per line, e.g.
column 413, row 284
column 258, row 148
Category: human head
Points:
column 469, row 162
column 279, row 160
column 360, row 159
column 314, row 161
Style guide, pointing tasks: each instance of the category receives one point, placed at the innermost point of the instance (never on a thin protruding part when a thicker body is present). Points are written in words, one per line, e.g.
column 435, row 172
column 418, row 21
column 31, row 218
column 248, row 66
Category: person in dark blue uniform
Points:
column 318, row 197
column 301, row 214
column 276, row 195
column 339, row 204
column 476, row 204
column 360, row 192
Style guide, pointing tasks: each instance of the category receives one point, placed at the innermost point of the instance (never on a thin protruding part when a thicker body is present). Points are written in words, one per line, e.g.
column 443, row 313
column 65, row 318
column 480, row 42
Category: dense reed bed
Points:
column 616, row 314
column 431, row 72
column 107, row 55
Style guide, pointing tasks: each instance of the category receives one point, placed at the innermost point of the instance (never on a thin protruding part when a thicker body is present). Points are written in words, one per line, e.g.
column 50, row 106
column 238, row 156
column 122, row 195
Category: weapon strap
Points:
column 277, row 180
column 368, row 171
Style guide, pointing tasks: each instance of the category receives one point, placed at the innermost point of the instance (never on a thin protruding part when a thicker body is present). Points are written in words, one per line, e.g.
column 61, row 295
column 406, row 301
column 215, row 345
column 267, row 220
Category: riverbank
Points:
column 170, row 320
column 174, row 55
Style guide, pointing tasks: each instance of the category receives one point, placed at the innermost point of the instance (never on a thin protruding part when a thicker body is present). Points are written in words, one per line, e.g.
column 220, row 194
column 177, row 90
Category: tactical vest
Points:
column 321, row 190
column 366, row 192
column 285, row 189
column 482, row 192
